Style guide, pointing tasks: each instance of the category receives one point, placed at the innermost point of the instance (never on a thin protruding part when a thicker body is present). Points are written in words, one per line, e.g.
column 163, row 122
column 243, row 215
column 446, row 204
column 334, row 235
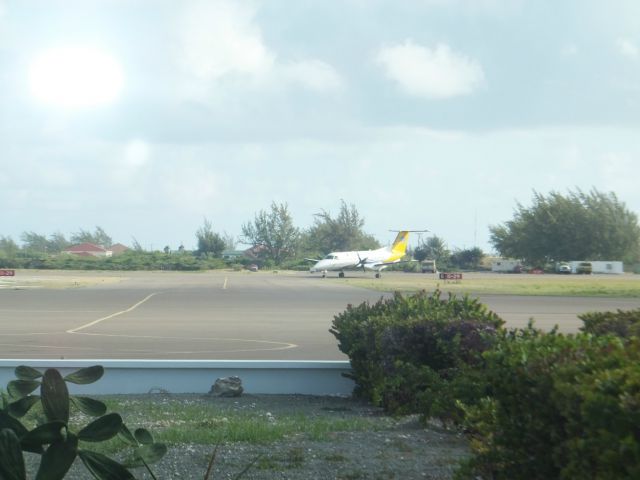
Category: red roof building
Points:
column 86, row 249
column 118, row 248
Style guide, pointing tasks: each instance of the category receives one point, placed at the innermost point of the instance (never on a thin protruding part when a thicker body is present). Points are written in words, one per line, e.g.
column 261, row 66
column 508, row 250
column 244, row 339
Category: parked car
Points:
column 584, row 268
column 252, row 268
column 564, row 268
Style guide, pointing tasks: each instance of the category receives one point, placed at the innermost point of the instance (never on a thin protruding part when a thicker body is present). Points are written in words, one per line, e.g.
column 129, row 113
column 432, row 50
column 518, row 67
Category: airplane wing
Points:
column 386, row 264
column 312, row 259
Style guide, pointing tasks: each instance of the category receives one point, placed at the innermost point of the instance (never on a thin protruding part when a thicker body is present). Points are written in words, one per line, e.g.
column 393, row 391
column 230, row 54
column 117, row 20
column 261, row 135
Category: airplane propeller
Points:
column 361, row 262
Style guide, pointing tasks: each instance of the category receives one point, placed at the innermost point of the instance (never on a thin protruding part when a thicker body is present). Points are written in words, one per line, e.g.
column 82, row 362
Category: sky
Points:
column 145, row 117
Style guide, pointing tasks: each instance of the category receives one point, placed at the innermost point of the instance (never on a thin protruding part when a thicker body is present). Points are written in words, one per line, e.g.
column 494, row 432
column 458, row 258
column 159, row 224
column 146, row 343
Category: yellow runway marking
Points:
column 224, row 287
column 95, row 322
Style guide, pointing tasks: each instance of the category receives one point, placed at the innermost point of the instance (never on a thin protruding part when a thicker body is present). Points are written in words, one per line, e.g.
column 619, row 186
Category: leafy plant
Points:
column 624, row 324
column 408, row 352
column 54, row 439
column 560, row 406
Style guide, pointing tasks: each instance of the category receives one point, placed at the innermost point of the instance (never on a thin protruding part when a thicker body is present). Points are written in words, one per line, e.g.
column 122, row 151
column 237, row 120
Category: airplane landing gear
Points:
column 378, row 275
column 341, row 275
column 324, row 274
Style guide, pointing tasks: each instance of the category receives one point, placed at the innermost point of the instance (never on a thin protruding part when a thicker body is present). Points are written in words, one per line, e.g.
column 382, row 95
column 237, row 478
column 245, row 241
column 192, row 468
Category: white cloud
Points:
column 436, row 73
column 628, row 48
column 313, row 74
column 219, row 38
column 222, row 39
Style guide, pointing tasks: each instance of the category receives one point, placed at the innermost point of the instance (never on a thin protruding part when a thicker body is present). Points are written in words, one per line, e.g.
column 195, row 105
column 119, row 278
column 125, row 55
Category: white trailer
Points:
column 600, row 266
column 506, row 265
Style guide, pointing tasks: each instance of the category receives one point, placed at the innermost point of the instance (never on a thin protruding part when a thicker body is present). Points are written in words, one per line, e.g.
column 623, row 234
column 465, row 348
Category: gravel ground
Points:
column 396, row 448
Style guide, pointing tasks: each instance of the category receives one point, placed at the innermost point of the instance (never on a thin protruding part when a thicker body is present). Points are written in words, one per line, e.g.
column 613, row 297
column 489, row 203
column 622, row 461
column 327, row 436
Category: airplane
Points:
column 376, row 260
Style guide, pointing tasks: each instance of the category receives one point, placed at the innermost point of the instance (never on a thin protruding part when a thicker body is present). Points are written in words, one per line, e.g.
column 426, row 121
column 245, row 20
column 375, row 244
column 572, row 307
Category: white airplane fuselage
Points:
column 369, row 259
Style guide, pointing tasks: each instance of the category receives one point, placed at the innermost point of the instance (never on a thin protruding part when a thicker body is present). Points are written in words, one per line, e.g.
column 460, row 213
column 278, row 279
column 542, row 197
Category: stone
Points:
column 227, row 387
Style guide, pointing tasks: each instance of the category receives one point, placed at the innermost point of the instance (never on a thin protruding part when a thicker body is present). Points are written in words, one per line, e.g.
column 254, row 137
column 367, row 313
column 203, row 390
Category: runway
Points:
column 217, row 316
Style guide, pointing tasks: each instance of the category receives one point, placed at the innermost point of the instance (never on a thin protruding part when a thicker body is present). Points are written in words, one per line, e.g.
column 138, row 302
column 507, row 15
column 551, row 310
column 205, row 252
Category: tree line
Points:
column 271, row 236
column 556, row 227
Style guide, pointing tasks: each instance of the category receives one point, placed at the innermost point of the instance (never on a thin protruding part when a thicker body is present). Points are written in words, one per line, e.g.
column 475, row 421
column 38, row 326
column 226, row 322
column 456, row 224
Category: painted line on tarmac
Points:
column 276, row 345
column 226, row 279
column 95, row 322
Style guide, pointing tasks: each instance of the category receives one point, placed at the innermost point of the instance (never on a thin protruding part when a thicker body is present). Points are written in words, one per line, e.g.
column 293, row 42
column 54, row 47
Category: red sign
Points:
column 7, row 273
column 450, row 276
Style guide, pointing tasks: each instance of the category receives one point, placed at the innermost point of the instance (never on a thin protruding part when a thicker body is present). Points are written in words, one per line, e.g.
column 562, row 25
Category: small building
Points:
column 506, row 265
column 118, row 249
column 600, row 266
column 233, row 254
column 88, row 249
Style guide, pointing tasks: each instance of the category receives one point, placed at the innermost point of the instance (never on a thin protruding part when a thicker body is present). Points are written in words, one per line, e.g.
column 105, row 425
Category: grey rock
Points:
column 227, row 387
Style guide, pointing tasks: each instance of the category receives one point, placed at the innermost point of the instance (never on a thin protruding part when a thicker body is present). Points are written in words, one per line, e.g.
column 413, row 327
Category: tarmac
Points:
column 211, row 315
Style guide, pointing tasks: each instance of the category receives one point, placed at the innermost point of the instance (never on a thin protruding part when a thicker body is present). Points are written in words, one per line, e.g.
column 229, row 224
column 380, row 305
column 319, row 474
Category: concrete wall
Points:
column 197, row 376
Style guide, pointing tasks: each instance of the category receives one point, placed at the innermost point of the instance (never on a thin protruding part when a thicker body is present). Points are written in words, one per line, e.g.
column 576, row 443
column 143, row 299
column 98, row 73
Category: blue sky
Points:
column 438, row 114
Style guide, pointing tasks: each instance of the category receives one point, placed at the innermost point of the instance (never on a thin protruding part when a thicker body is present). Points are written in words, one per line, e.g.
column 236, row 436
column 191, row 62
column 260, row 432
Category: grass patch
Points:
column 197, row 421
column 474, row 283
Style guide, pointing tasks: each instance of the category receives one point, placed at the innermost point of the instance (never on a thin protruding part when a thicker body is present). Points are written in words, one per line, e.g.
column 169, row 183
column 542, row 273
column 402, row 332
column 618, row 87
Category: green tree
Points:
column 8, row 247
column 136, row 246
column 434, row 248
column 272, row 233
column 98, row 237
column 229, row 241
column 342, row 233
column 467, row 259
column 576, row 226
column 57, row 243
column 34, row 242
column 210, row 243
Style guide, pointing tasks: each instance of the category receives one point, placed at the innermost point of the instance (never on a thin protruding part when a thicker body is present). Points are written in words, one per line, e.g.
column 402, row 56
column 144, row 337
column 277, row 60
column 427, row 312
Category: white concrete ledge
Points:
column 197, row 376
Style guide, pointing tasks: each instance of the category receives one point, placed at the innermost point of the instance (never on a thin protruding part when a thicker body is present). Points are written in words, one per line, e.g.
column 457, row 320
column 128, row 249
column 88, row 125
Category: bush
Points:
column 560, row 406
column 54, row 430
column 621, row 323
column 409, row 353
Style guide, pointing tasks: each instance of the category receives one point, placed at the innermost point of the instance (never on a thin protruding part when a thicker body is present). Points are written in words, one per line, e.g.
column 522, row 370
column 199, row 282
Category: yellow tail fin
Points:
column 400, row 243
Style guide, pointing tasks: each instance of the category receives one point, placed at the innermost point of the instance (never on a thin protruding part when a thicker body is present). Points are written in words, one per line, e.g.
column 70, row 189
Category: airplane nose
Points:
column 315, row 268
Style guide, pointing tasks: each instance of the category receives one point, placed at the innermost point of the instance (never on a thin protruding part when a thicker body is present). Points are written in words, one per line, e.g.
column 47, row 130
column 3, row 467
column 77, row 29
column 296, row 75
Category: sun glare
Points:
column 75, row 77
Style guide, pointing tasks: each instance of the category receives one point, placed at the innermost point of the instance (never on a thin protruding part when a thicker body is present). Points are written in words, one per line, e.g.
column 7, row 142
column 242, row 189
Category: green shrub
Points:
column 409, row 352
column 54, row 438
column 559, row 406
column 621, row 323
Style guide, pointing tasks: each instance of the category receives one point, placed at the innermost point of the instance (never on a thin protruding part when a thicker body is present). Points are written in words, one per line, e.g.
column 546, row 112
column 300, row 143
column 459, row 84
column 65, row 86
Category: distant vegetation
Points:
column 578, row 226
